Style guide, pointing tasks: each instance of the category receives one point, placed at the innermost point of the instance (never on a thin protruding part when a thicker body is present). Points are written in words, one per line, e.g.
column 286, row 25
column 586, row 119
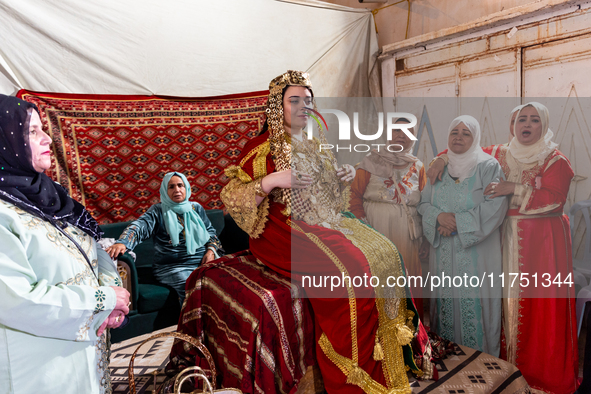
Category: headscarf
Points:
column 518, row 108
column 538, row 151
column 26, row 188
column 463, row 165
column 196, row 235
column 381, row 163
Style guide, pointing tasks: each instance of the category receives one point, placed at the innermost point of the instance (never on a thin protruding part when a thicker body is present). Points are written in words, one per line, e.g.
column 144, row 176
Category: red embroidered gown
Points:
column 346, row 325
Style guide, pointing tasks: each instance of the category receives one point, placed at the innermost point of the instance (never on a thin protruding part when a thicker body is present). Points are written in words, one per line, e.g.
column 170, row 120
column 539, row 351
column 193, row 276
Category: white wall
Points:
column 428, row 16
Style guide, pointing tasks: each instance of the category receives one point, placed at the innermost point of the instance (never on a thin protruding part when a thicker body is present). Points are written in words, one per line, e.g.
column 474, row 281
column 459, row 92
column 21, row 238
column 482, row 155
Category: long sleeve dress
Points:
column 361, row 337
column 464, row 314
column 51, row 306
column 377, row 199
column 539, row 319
column 172, row 265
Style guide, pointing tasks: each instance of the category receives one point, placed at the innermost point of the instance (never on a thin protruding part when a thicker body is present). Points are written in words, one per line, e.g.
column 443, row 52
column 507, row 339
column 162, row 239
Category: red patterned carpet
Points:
column 111, row 152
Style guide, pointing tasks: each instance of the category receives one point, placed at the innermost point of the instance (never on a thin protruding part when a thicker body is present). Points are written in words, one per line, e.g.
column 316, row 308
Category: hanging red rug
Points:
column 112, row 151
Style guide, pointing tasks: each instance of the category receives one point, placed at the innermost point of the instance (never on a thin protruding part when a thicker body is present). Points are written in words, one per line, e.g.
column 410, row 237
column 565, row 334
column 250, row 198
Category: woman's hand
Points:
column 499, row 189
column 445, row 231
column 346, row 173
column 115, row 250
column 208, row 256
column 286, row 180
column 117, row 316
column 114, row 320
column 122, row 302
column 436, row 170
column 447, row 220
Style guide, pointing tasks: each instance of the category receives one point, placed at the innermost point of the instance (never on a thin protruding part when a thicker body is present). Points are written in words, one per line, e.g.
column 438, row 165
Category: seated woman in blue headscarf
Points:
column 183, row 235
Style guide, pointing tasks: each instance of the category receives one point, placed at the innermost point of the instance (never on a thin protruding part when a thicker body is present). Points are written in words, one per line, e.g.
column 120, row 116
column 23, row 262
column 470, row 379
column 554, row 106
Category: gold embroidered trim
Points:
column 393, row 315
column 259, row 164
column 239, row 199
column 348, row 366
column 255, row 151
column 350, row 291
column 494, row 151
column 545, row 208
column 346, row 196
column 553, row 160
column 237, row 172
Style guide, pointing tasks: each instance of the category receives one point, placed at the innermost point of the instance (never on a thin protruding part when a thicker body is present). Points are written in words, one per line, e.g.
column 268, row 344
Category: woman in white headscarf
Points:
column 540, row 333
column 436, row 166
column 385, row 193
column 539, row 315
column 462, row 226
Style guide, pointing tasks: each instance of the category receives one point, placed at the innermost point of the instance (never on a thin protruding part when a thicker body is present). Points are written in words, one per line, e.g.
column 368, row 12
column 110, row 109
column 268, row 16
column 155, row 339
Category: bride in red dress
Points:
column 288, row 197
column 539, row 323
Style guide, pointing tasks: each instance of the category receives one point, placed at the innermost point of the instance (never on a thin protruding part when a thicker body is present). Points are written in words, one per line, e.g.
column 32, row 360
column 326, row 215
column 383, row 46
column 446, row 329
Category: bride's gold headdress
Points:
column 280, row 147
column 279, row 143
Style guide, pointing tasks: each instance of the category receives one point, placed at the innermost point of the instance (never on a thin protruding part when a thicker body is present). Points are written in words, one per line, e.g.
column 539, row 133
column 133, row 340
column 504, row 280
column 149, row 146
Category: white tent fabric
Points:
column 184, row 48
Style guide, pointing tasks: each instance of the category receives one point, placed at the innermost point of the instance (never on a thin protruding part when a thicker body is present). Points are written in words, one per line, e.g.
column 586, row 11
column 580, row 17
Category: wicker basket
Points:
column 181, row 377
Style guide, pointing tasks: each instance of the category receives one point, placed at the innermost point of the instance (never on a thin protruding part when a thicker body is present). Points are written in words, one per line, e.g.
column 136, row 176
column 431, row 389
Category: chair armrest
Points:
column 126, row 257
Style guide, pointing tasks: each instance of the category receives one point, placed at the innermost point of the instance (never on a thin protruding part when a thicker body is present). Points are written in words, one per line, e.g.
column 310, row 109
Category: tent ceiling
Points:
column 184, row 47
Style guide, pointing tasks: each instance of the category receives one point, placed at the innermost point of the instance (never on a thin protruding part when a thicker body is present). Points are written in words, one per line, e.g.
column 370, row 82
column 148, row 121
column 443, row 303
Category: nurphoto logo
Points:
column 344, row 125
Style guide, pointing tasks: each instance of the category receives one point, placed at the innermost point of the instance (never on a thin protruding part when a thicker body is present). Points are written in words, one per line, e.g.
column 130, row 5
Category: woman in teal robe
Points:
column 462, row 226
column 183, row 235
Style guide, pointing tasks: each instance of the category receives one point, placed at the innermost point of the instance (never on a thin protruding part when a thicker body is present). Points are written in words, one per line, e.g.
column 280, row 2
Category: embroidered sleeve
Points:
column 422, row 176
column 141, row 229
column 430, row 213
column 477, row 223
column 442, row 156
column 108, row 274
column 550, row 191
column 214, row 244
column 31, row 303
column 239, row 199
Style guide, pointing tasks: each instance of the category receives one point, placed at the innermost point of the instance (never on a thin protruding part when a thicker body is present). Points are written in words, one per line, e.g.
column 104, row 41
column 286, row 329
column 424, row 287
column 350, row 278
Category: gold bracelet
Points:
column 258, row 189
column 438, row 157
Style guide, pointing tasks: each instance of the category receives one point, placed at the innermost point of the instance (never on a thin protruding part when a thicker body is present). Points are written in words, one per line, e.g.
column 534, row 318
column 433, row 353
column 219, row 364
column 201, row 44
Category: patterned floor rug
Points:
column 469, row 371
column 148, row 365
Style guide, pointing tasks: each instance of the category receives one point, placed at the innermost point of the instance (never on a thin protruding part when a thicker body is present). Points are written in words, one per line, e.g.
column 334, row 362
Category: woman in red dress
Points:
column 540, row 333
column 288, row 196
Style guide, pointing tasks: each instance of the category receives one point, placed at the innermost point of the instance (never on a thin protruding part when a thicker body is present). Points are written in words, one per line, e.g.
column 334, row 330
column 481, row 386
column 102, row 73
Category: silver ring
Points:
column 129, row 304
column 299, row 176
column 118, row 318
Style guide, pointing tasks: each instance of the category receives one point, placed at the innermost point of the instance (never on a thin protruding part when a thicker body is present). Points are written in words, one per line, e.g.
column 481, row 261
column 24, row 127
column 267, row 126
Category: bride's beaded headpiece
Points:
column 279, row 144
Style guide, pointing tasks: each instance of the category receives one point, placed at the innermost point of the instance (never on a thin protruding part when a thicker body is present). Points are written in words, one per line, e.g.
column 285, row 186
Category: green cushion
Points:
column 153, row 297
column 113, row 230
column 216, row 217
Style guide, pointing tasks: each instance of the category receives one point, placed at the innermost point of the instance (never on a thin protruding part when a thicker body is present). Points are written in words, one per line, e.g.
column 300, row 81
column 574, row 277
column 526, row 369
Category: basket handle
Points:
column 197, row 373
column 178, row 335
